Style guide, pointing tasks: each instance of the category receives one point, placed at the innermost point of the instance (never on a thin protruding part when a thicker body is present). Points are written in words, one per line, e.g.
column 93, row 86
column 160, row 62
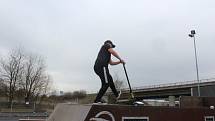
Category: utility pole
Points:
column 192, row 35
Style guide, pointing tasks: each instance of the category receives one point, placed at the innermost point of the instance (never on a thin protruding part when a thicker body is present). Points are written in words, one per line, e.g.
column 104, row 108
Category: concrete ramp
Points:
column 69, row 112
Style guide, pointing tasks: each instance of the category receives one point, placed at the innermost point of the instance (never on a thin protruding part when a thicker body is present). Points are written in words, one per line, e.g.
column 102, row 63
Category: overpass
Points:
column 188, row 88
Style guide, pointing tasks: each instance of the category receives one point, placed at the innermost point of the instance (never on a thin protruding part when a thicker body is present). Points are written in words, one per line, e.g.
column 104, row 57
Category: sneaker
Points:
column 99, row 103
column 120, row 92
column 104, row 100
column 96, row 103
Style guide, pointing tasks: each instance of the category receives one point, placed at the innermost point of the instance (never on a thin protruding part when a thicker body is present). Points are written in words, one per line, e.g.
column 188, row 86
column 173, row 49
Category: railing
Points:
column 173, row 84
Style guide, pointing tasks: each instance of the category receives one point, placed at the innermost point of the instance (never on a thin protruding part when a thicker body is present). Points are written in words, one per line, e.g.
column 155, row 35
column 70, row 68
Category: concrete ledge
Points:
column 193, row 102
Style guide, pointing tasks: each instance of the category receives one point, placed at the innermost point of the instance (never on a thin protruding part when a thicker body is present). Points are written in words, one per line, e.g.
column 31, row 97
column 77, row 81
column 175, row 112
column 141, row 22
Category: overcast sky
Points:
column 150, row 35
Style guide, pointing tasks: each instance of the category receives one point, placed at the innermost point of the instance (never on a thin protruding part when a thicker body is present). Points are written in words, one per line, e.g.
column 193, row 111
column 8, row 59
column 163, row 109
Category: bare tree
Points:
column 23, row 75
column 35, row 81
column 11, row 71
column 119, row 83
column 3, row 88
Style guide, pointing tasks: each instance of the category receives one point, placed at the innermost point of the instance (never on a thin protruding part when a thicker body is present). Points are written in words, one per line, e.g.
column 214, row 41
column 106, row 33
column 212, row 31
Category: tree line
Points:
column 23, row 75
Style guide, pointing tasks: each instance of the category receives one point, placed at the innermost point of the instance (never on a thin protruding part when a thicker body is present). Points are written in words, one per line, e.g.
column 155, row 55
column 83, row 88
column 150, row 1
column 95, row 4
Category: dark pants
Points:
column 107, row 81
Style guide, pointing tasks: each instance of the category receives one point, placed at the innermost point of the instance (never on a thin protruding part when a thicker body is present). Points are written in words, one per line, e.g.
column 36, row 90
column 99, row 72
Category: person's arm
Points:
column 114, row 53
column 114, row 62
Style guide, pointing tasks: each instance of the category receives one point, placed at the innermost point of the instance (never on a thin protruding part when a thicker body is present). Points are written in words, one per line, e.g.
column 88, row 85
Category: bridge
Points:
column 188, row 88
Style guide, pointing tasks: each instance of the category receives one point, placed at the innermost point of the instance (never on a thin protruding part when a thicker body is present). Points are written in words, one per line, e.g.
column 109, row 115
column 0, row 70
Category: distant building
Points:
column 61, row 92
column 57, row 93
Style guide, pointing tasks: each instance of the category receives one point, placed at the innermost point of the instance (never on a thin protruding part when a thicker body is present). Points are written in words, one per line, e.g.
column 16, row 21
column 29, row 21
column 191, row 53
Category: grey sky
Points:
column 151, row 36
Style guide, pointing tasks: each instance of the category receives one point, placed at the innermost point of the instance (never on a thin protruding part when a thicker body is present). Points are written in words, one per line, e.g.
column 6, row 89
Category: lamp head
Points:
column 191, row 35
column 193, row 32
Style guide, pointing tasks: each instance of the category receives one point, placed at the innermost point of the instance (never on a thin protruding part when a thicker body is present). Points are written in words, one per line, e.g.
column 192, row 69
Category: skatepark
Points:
column 107, row 60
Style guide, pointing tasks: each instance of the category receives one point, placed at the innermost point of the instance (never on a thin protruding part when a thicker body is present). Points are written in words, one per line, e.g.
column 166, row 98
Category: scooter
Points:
column 132, row 98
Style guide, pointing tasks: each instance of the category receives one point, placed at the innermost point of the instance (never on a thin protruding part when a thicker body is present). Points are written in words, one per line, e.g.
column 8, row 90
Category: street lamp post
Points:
column 192, row 35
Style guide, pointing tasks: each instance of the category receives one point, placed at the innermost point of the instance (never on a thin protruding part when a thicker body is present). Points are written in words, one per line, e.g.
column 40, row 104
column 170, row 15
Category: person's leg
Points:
column 101, row 92
column 111, row 83
column 102, row 75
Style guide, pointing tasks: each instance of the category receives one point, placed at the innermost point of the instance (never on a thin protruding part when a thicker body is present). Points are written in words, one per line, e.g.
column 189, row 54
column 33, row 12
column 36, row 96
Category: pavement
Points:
column 7, row 116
